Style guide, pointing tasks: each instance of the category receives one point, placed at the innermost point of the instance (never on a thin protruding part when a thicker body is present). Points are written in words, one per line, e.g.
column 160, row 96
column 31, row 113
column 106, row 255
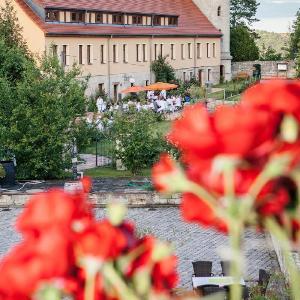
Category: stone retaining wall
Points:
column 100, row 199
column 268, row 68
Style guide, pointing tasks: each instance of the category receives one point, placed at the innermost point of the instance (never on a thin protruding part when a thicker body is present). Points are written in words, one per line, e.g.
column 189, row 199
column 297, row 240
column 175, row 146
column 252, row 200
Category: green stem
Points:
column 235, row 233
column 285, row 246
column 89, row 288
column 118, row 283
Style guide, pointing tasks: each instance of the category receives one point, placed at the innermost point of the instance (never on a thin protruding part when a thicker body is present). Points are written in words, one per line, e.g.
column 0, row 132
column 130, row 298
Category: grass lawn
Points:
column 106, row 172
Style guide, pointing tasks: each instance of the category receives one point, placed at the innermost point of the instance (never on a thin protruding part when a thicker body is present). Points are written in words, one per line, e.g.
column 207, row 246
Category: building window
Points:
column 89, row 54
column 64, row 55
column 208, row 74
column 138, row 52
column 54, row 50
column 137, row 20
column 101, row 87
column 207, row 50
column 172, row 51
column 182, row 52
column 191, row 75
column 219, row 11
column 144, row 52
column 65, row 16
column 116, row 85
column 173, row 21
column 102, row 54
column 114, row 53
column 147, row 82
column 80, row 56
column 118, row 19
column 184, row 76
column 199, row 50
column 214, row 49
column 78, row 17
column 161, row 53
column 52, row 16
column 190, row 50
column 157, row 20
column 99, row 18
column 125, row 57
column 155, row 51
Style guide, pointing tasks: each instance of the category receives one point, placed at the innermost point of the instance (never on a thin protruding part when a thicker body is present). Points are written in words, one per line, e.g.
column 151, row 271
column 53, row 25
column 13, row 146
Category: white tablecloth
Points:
column 217, row 281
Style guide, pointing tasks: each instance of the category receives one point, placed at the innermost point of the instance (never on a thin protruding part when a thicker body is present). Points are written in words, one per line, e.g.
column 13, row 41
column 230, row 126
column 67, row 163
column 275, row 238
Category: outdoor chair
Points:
column 263, row 281
column 225, row 265
column 202, row 268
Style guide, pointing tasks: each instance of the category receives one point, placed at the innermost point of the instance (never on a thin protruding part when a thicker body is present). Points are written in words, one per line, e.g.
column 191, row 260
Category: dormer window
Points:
column 52, row 16
column 137, row 20
column 157, row 20
column 99, row 18
column 78, row 17
column 173, row 21
column 219, row 11
column 118, row 19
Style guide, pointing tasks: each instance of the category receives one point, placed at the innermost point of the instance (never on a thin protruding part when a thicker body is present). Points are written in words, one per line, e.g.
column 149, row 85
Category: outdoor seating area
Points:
column 206, row 283
column 156, row 99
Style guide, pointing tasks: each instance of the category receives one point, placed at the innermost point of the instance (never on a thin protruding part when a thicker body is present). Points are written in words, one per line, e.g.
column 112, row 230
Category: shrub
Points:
column 138, row 147
column 163, row 71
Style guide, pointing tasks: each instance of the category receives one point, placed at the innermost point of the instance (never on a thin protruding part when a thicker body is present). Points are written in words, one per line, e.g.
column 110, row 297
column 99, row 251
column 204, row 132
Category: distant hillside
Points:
column 273, row 39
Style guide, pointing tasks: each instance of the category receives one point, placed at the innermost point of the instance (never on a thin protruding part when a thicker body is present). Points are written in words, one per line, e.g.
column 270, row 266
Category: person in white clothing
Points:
column 163, row 94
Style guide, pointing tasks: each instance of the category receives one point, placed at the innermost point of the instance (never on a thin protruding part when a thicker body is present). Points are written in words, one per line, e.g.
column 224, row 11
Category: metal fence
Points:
column 104, row 151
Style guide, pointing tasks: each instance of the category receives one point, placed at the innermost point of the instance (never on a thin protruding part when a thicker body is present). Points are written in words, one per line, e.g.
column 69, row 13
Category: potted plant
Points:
column 7, row 163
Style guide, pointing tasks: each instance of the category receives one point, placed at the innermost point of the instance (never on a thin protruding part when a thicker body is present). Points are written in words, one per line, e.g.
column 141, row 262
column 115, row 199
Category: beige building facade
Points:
column 117, row 48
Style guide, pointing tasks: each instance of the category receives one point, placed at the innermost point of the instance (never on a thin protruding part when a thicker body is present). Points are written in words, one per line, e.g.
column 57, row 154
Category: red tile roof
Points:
column 191, row 20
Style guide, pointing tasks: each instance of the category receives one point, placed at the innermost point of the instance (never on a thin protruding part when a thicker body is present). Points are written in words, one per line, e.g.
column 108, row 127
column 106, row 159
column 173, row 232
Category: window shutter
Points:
column 68, row 55
column 92, row 53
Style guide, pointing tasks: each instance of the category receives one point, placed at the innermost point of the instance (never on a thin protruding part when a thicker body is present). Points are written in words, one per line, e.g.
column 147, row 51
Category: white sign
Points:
column 282, row 67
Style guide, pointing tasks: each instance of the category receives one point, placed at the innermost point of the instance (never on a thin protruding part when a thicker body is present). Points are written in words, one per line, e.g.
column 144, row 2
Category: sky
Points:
column 276, row 15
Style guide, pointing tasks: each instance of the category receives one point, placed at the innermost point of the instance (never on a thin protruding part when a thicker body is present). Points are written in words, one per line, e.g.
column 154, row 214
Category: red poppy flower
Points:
column 101, row 240
column 231, row 131
column 34, row 261
column 86, row 184
column 198, row 211
column 280, row 96
column 164, row 275
column 53, row 208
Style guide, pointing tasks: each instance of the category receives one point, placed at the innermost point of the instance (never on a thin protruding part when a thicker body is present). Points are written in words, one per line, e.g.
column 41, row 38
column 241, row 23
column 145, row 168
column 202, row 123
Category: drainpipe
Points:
column 195, row 57
column 108, row 64
column 151, row 44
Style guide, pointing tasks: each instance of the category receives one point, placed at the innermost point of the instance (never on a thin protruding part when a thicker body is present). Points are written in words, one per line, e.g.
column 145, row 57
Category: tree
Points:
column 10, row 29
column 38, row 118
column 163, row 71
column 243, row 12
column 294, row 44
column 242, row 44
column 269, row 54
column 39, row 105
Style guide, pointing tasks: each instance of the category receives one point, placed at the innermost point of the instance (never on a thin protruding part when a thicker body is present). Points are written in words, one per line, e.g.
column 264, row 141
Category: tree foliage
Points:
column 294, row 44
column 138, row 147
column 243, row 12
column 38, row 105
column 163, row 71
column 242, row 44
column 269, row 54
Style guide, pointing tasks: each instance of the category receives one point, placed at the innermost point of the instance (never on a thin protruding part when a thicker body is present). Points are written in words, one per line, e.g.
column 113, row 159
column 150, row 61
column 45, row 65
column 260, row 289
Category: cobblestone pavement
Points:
column 190, row 241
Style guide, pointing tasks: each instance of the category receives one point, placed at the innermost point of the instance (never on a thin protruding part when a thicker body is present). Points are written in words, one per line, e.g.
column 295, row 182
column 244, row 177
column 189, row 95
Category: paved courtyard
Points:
column 190, row 241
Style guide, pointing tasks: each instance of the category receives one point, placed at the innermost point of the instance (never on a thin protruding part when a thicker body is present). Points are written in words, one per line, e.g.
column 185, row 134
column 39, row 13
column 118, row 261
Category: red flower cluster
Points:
column 62, row 242
column 249, row 136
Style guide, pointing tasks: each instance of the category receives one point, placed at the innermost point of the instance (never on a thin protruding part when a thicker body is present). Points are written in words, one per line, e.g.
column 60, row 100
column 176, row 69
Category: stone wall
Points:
column 268, row 68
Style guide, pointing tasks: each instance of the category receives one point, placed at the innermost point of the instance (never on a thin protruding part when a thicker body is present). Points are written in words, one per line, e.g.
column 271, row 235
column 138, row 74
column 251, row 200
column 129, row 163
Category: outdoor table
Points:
column 220, row 281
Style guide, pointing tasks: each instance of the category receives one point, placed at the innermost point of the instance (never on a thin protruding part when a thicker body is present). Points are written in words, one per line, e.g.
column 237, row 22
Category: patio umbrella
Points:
column 133, row 89
column 159, row 86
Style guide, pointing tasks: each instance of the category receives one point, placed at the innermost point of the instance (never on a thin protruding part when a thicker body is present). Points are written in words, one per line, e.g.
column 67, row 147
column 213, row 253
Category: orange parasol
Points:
column 159, row 86
column 133, row 89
